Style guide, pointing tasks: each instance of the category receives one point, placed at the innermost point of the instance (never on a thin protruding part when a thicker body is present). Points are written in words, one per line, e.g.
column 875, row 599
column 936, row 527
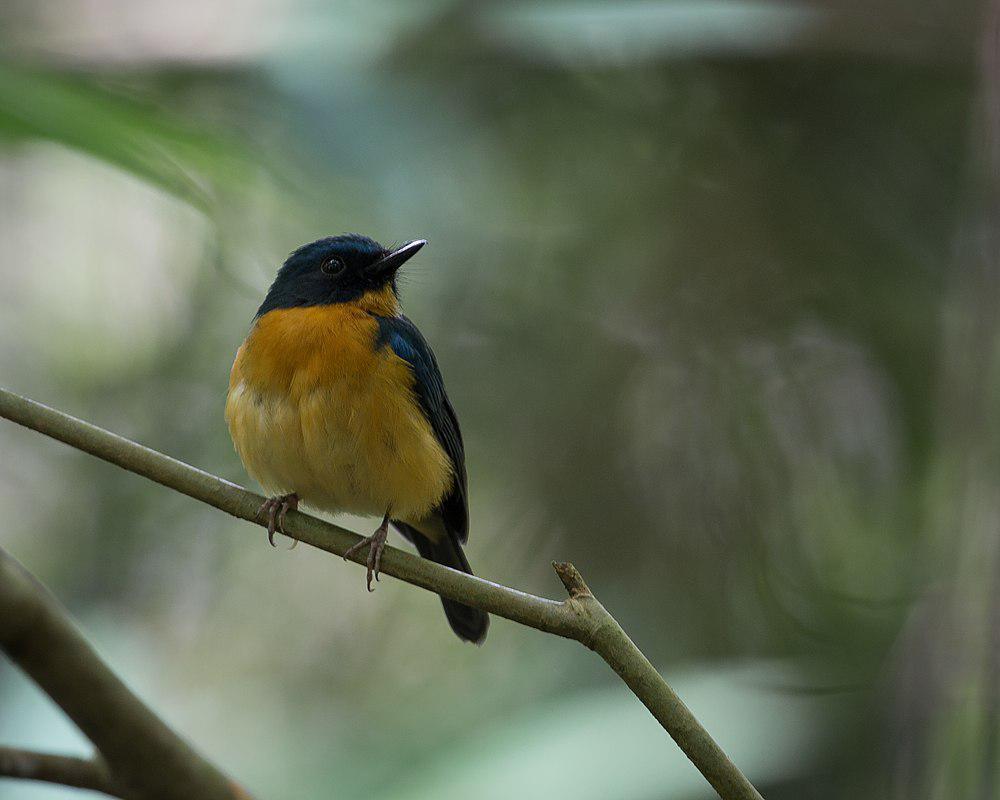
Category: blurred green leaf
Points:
column 79, row 113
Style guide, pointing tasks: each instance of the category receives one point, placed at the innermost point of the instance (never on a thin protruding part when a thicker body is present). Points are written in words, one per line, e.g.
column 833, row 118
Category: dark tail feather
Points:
column 470, row 624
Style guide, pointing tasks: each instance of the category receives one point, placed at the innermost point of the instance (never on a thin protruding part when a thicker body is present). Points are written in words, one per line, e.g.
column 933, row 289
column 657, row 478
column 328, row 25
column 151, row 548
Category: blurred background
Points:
column 713, row 285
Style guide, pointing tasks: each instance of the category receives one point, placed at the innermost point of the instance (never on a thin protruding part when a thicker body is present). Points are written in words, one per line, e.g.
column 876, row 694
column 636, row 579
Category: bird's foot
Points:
column 275, row 509
column 375, row 544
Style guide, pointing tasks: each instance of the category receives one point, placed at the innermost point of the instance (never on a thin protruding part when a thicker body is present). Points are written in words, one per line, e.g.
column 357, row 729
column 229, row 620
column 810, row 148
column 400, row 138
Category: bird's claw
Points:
column 275, row 509
column 375, row 544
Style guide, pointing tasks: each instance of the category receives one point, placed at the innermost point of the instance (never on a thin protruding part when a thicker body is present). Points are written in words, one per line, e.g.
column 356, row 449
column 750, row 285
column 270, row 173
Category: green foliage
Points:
column 138, row 136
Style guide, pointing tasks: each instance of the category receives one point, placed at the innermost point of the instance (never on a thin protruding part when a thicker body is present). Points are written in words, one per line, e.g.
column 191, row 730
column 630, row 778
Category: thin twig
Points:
column 80, row 773
column 580, row 617
column 141, row 755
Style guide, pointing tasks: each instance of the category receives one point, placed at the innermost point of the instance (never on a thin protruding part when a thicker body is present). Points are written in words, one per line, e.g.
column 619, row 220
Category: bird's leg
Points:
column 276, row 508
column 376, row 544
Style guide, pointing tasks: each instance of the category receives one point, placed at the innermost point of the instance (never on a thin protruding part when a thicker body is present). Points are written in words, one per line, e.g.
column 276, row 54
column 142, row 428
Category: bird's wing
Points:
column 409, row 344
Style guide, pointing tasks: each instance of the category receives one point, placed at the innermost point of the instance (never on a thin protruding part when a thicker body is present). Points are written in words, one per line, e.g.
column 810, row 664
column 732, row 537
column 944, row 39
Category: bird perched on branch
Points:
column 336, row 400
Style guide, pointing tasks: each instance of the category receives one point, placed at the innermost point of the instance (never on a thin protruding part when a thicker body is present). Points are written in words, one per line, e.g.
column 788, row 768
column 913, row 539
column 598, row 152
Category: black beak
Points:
column 385, row 268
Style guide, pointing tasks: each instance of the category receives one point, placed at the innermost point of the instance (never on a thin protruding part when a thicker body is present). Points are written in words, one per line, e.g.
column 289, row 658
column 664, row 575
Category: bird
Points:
column 336, row 401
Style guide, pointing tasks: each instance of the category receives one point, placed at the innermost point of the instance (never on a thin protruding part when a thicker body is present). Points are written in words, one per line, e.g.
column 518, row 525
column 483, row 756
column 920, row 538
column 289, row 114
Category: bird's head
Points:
column 336, row 269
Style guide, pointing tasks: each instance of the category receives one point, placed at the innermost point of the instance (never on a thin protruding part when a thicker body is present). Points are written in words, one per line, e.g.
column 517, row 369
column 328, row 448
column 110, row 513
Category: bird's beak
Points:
column 386, row 267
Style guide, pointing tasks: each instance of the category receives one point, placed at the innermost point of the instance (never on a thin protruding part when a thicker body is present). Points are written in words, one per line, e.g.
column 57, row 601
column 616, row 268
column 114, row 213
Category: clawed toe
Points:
column 374, row 560
column 375, row 544
column 275, row 509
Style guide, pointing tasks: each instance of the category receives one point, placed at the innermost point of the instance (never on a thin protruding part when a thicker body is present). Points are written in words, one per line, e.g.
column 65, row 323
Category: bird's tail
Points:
column 470, row 624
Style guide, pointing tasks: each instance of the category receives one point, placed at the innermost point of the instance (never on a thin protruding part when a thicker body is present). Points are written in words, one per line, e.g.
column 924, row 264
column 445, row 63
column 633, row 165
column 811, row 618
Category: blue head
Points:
column 336, row 269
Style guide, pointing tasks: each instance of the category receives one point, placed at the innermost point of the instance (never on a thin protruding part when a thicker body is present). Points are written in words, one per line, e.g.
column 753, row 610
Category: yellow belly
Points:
column 314, row 409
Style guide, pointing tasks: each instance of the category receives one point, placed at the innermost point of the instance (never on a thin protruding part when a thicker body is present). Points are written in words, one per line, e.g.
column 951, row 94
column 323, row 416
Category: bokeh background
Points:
column 714, row 289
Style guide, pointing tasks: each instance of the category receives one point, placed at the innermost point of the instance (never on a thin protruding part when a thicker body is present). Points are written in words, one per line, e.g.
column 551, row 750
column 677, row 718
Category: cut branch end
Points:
column 571, row 579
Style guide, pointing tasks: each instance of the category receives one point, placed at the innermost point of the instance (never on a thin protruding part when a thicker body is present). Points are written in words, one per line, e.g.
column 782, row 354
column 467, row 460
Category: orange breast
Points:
column 314, row 408
column 293, row 351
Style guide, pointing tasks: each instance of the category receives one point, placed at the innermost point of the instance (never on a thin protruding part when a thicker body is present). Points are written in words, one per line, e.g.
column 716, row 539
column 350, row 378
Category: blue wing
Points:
column 409, row 344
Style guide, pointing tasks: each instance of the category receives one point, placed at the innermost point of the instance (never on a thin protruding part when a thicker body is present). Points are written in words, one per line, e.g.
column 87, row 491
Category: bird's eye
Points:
column 333, row 266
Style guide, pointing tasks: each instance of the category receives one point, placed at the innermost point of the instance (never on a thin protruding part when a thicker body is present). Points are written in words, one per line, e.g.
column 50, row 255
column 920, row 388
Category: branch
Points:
column 140, row 756
column 80, row 773
column 580, row 617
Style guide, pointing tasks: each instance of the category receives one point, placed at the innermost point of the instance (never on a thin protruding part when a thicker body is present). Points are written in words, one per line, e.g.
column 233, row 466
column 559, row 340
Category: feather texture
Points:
column 406, row 341
column 316, row 408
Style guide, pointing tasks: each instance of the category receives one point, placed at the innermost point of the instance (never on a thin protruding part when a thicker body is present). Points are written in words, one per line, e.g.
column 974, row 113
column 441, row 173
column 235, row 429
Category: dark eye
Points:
column 332, row 266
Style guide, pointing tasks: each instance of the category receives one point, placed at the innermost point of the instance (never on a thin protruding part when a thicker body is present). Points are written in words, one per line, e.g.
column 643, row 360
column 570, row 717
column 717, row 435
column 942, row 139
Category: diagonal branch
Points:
column 580, row 617
column 140, row 756
column 80, row 773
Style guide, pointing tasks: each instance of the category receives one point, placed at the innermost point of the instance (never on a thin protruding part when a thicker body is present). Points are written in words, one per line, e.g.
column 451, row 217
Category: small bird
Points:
column 336, row 400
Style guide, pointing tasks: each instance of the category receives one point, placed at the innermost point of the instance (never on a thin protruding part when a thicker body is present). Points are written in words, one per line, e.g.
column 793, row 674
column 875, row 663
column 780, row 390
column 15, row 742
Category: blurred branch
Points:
column 580, row 617
column 80, row 773
column 141, row 758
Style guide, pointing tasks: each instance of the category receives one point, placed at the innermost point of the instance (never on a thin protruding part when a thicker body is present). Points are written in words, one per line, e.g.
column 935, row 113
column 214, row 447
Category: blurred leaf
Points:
column 603, row 743
column 80, row 114
column 646, row 30
column 637, row 31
